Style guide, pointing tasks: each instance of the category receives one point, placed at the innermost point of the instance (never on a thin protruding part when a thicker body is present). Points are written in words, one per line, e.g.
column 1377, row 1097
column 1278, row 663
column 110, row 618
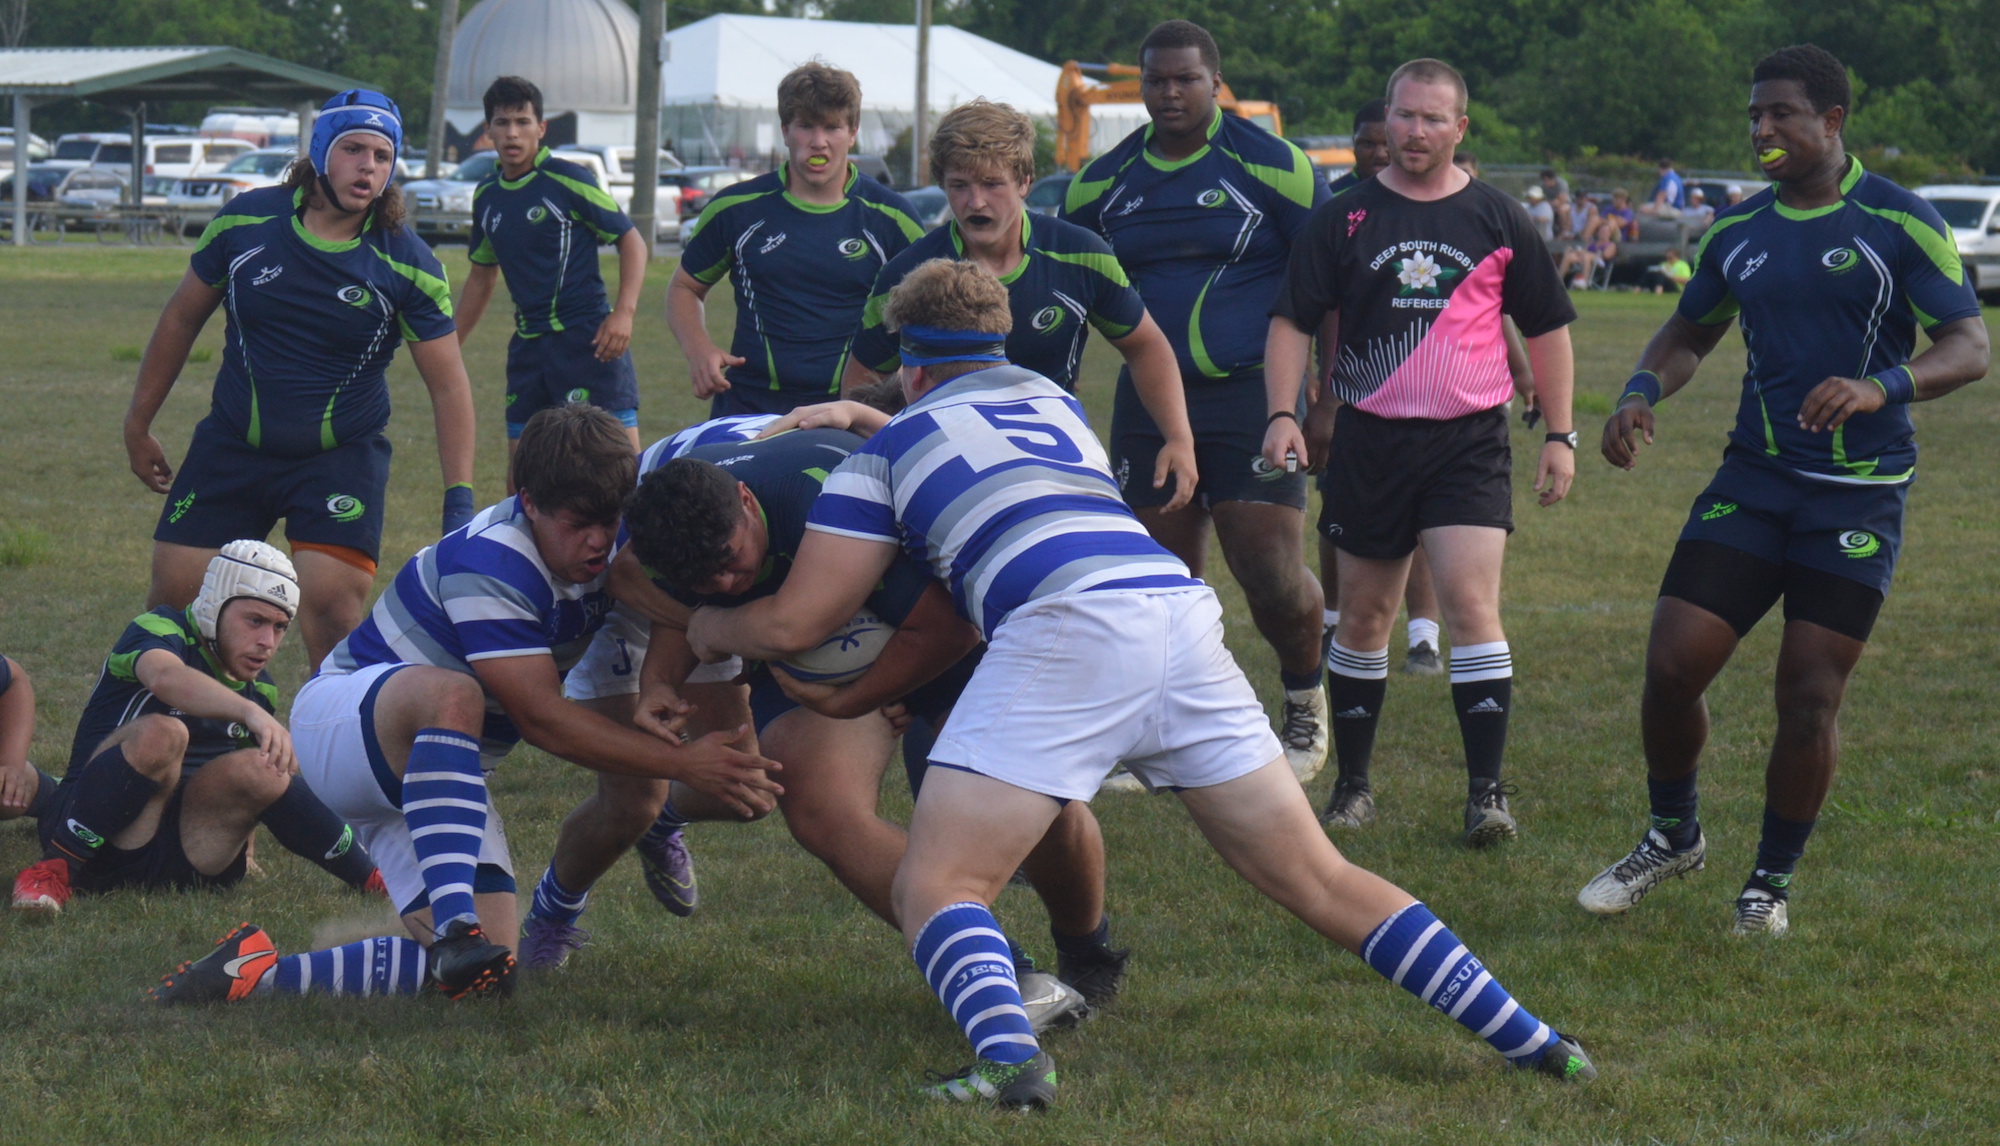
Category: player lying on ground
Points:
column 179, row 755
column 463, row 656
column 1831, row 270
column 1101, row 648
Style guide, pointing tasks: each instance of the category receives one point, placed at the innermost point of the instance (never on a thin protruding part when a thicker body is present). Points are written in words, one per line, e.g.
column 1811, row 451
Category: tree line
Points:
column 1550, row 79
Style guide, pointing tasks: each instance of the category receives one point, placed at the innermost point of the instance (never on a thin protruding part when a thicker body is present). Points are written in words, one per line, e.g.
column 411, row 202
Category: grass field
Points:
column 783, row 1012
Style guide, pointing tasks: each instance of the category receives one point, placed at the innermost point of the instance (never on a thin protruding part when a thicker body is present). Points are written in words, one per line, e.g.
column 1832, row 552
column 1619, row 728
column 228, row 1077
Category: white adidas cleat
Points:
column 1758, row 912
column 1304, row 732
column 1621, row 886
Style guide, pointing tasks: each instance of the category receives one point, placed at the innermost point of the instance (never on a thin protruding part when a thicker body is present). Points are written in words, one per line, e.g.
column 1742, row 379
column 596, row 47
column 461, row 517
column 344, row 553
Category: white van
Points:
column 262, row 127
column 174, row 156
column 1969, row 210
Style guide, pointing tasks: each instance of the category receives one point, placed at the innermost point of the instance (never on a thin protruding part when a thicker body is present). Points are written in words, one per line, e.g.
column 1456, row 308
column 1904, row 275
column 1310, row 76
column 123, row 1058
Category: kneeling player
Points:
column 1101, row 648
column 179, row 756
column 464, row 654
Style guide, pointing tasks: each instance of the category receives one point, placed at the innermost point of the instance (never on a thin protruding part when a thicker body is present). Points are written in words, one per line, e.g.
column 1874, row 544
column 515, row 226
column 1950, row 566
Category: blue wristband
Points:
column 458, row 507
column 1645, row 384
column 1898, row 385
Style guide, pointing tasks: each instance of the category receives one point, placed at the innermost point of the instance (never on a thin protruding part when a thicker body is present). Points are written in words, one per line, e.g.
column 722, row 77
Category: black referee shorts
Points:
column 1389, row 479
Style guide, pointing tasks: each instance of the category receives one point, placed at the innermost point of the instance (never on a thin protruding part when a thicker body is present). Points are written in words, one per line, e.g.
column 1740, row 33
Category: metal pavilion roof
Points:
column 191, row 73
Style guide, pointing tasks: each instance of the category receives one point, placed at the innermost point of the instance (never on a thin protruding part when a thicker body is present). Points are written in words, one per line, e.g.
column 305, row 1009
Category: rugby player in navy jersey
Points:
column 1406, row 280
column 460, row 659
column 179, row 753
column 1101, row 648
column 1830, row 271
column 320, row 279
column 801, row 245
column 539, row 219
column 1202, row 209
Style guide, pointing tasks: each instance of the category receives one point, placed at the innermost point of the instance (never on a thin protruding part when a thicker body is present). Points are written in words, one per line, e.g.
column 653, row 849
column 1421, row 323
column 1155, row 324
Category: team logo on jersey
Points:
column 345, row 507
column 1421, row 274
column 181, row 507
column 1130, row 206
column 577, row 395
column 266, row 274
column 238, row 731
column 345, row 841
column 852, row 249
column 1840, row 260
column 354, row 295
column 771, row 244
column 1124, row 474
column 537, row 213
column 1718, row 510
column 1355, row 219
column 1859, row 544
column 90, row 838
column 1750, row 268
column 1213, row 197
column 1263, row 470
column 1048, row 318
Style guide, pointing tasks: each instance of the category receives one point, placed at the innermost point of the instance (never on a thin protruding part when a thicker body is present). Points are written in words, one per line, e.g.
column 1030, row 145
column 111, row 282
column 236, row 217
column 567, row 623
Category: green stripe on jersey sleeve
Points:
column 717, row 206
column 590, row 192
column 1941, row 249
column 223, row 223
column 437, row 288
column 1083, row 192
column 912, row 230
column 1294, row 183
column 1103, row 264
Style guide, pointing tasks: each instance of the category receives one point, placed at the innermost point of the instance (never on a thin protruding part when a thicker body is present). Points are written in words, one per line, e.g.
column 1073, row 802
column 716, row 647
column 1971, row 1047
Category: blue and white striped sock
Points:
column 555, row 902
column 1419, row 954
column 386, row 965
column 444, row 803
column 964, row 957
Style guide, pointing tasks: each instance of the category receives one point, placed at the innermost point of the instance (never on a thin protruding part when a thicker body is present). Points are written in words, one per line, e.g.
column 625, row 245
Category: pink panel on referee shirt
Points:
column 1460, row 366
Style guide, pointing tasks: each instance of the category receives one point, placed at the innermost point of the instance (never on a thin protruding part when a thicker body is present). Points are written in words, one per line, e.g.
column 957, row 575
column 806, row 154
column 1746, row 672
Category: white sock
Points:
column 1422, row 630
column 1328, row 618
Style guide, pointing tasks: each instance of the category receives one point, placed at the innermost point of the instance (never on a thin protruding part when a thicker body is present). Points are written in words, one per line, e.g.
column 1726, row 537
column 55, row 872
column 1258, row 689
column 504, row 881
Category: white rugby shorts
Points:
column 1072, row 685
column 610, row 665
column 333, row 734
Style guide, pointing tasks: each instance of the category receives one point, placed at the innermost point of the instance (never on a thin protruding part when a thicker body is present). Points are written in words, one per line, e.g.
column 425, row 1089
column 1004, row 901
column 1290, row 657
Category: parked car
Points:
column 931, row 206
column 441, row 208
column 666, row 225
column 38, row 149
column 92, row 187
column 259, row 127
column 176, row 155
column 698, row 185
column 874, row 168
column 1970, row 211
column 200, row 197
column 1046, row 196
column 43, row 180
column 617, row 161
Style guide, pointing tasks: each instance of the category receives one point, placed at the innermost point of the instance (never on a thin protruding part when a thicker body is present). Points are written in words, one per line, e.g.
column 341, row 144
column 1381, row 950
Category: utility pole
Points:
column 440, row 77
column 920, row 131
column 646, row 141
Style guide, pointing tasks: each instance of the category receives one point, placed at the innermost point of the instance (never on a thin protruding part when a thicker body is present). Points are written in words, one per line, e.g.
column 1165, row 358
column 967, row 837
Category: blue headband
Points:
column 352, row 111
column 935, row 345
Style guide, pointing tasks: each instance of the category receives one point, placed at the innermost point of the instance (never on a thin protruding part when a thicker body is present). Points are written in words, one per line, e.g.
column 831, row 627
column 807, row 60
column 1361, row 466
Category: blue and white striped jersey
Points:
column 996, row 482
column 734, row 428
column 481, row 592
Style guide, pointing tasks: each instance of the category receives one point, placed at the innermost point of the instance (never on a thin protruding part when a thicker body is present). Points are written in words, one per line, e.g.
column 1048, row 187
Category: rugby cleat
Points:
column 1352, row 805
column 1028, row 1085
column 1050, row 1002
column 1758, row 912
column 1621, row 886
column 669, row 870
column 42, row 888
column 1423, row 660
column 547, row 944
column 1487, row 820
column 1565, row 1060
column 464, row 962
column 227, row 974
column 1303, row 732
column 1096, row 975
column 373, row 885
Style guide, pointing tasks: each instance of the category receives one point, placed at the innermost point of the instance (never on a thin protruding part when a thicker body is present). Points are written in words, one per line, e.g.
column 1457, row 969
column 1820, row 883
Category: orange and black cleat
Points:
column 464, row 962
column 227, row 974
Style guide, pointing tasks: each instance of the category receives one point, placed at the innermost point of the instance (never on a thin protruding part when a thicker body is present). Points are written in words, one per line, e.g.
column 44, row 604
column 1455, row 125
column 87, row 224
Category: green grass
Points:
column 785, row 1013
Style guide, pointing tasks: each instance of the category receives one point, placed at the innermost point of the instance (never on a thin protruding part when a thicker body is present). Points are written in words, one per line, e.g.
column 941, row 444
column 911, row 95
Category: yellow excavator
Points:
column 1081, row 87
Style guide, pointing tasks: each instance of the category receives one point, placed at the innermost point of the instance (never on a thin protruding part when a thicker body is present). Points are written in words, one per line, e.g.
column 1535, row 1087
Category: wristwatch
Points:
column 1568, row 439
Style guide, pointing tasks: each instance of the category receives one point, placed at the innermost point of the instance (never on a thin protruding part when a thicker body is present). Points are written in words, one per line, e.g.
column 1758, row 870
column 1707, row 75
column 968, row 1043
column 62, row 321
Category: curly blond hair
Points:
column 983, row 136
column 950, row 294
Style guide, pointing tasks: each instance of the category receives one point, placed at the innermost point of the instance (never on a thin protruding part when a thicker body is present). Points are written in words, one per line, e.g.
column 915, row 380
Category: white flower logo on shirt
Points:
column 1418, row 272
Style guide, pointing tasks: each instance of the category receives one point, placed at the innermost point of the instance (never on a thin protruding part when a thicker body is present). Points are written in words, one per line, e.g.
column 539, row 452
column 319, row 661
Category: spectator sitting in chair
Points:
column 1583, row 219
column 1698, row 214
column 1621, row 210
column 1600, row 248
column 1732, row 196
column 1669, row 194
column 1541, row 214
column 1669, row 276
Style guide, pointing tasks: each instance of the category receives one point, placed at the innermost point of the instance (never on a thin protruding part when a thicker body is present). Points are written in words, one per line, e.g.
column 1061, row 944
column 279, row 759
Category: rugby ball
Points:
column 846, row 653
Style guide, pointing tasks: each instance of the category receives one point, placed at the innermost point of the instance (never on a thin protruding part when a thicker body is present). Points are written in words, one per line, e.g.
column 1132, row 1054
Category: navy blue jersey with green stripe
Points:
column 119, row 698
column 802, row 273
column 312, row 323
column 1067, row 281
column 1206, row 239
column 785, row 473
column 1837, row 291
column 543, row 230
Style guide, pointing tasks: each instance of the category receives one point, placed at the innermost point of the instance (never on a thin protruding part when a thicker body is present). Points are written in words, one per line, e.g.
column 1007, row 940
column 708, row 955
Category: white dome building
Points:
column 583, row 54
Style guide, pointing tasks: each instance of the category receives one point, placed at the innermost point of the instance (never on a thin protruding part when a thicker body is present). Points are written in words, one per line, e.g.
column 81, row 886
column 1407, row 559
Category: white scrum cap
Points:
column 245, row 569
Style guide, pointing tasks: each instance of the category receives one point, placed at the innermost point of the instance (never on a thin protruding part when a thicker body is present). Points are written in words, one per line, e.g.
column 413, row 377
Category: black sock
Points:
column 1674, row 803
column 306, row 827
column 1081, row 945
column 1779, row 851
column 1482, row 723
column 1356, row 704
column 1299, row 682
column 110, row 794
column 45, row 787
